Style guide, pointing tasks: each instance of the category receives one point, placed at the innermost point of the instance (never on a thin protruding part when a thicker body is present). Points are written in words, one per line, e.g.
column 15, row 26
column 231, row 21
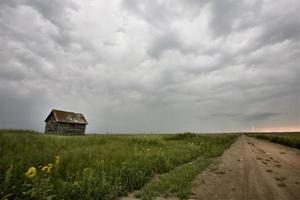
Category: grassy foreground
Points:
column 37, row 166
column 289, row 139
column 175, row 183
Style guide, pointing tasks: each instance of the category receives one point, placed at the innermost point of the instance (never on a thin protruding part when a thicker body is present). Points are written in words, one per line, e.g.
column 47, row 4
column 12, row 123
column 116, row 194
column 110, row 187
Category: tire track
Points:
column 253, row 169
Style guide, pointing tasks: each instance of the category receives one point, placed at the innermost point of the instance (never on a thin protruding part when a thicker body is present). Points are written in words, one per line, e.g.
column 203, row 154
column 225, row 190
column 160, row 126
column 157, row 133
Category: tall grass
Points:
column 288, row 139
column 178, row 181
column 93, row 167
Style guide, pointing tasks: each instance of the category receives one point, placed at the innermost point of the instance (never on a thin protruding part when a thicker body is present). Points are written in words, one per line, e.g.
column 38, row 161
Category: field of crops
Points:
column 37, row 166
column 289, row 139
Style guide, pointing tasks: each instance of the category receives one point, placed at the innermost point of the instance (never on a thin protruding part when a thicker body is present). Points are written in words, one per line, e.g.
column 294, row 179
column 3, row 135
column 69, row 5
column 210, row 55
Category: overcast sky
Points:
column 153, row 65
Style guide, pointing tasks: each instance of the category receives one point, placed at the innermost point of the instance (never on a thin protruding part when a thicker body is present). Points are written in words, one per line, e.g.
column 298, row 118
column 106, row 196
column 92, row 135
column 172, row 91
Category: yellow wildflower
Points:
column 57, row 158
column 31, row 172
column 45, row 169
column 50, row 166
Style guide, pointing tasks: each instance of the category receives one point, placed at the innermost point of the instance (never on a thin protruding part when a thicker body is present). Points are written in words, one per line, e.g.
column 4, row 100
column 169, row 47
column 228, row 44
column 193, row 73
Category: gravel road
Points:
column 251, row 169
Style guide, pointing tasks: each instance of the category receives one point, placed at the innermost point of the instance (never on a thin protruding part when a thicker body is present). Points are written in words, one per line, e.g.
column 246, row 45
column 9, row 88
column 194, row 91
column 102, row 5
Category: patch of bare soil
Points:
column 251, row 169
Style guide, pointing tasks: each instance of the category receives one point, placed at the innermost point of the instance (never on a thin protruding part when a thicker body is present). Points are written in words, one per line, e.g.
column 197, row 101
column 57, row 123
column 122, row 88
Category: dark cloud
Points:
column 247, row 117
column 164, row 43
column 261, row 116
column 168, row 42
column 151, row 65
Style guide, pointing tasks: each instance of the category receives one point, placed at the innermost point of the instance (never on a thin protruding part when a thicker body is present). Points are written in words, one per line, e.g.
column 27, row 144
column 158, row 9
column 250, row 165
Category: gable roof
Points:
column 67, row 117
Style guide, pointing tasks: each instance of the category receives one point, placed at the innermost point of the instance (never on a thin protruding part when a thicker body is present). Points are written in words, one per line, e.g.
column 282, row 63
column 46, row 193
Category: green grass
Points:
column 97, row 166
column 178, row 181
column 289, row 139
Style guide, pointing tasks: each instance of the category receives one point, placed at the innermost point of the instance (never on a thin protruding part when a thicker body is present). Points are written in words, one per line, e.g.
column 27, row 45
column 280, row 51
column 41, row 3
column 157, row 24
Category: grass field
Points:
column 37, row 166
column 289, row 139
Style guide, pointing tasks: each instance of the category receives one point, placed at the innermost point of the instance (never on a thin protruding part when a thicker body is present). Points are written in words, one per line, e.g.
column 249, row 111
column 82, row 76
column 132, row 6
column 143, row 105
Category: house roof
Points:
column 67, row 117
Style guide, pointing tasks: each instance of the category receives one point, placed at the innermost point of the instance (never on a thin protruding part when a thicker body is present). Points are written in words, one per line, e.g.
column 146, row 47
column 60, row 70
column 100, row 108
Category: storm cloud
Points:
column 151, row 66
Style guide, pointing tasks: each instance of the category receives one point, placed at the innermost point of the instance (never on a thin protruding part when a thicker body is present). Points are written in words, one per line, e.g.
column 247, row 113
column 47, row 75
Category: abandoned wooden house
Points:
column 65, row 123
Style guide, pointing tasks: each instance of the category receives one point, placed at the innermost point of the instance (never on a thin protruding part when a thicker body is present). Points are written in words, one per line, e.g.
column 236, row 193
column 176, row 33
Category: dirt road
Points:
column 251, row 169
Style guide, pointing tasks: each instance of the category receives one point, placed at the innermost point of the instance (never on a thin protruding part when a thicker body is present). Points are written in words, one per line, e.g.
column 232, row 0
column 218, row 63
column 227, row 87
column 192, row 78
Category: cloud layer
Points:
column 151, row 66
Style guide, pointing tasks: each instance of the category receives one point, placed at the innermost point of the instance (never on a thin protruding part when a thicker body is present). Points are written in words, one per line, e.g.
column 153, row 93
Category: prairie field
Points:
column 39, row 166
column 289, row 139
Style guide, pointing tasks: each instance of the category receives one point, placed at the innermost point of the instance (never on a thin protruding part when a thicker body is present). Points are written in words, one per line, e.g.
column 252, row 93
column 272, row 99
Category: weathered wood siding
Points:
column 51, row 126
column 71, row 129
column 58, row 128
